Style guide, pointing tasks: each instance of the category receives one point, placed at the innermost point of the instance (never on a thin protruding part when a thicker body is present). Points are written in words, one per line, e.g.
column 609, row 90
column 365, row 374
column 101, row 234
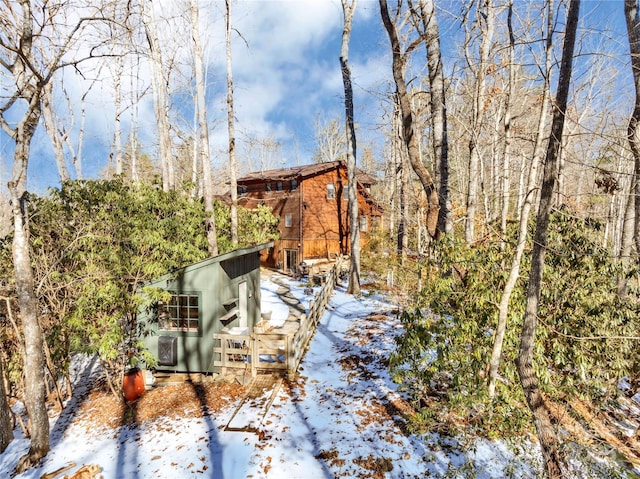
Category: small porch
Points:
column 273, row 350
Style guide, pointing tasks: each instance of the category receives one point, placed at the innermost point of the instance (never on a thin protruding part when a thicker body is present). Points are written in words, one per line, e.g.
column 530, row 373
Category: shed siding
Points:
column 216, row 283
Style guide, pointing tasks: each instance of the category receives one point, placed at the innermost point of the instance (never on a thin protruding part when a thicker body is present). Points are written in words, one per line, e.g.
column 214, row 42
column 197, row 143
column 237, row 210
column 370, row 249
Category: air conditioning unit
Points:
column 167, row 351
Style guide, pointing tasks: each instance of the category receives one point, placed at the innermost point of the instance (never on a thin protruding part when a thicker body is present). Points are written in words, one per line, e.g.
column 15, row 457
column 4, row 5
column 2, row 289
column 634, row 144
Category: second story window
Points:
column 242, row 190
column 331, row 191
column 267, row 187
column 279, row 186
column 294, row 185
column 287, row 220
column 364, row 224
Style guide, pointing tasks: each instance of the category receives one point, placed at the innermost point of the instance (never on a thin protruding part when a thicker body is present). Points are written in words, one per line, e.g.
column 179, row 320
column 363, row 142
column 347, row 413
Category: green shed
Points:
column 219, row 292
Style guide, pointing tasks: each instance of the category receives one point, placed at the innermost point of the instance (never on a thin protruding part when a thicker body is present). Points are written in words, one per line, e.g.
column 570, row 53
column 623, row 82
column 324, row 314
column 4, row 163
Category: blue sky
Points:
column 286, row 76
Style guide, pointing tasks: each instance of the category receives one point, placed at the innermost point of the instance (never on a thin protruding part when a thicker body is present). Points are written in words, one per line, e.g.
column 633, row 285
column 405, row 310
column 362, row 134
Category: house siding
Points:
column 319, row 224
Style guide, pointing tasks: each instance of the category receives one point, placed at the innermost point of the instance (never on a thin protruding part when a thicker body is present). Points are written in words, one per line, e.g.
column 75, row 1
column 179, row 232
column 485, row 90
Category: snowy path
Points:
column 339, row 419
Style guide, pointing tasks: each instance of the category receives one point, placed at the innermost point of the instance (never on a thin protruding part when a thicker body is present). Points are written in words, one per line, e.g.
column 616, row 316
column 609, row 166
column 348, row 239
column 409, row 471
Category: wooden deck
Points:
column 279, row 350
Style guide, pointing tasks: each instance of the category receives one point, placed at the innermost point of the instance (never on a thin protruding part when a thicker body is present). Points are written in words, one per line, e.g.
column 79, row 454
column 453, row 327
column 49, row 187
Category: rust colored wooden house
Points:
column 311, row 201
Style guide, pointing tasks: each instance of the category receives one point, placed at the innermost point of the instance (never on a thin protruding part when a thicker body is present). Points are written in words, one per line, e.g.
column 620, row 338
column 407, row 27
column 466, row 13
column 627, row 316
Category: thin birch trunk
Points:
column 505, row 180
column 348, row 8
column 486, row 12
column 160, row 96
column 542, row 419
column 203, row 130
column 438, row 106
column 233, row 166
column 527, row 205
column 117, row 134
column 52, row 131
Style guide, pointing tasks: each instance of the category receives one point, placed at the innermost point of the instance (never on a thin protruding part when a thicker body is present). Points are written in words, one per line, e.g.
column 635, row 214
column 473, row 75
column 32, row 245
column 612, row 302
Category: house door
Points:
column 243, row 312
column 290, row 259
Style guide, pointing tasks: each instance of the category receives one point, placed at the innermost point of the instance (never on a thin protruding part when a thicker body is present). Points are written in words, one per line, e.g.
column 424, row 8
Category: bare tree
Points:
column 348, row 8
column 525, row 210
column 52, row 130
column 505, row 177
column 6, row 429
column 633, row 30
column 528, row 378
column 233, row 166
column 202, row 145
column 410, row 136
column 160, row 95
column 485, row 16
column 439, row 140
column 33, row 46
column 330, row 141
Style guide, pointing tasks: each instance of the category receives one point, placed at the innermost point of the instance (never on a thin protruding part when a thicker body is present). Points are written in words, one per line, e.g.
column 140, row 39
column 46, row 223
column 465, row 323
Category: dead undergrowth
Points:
column 101, row 410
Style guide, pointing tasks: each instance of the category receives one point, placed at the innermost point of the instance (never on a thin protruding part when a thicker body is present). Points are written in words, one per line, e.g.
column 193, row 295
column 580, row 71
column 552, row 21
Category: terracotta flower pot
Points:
column 133, row 384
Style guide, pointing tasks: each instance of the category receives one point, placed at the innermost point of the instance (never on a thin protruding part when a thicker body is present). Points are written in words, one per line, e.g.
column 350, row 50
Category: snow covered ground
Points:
column 340, row 418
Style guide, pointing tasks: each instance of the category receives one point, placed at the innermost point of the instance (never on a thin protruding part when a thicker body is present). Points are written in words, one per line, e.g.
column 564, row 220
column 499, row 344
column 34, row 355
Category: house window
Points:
column 294, row 185
column 268, row 187
column 181, row 313
column 331, row 191
column 242, row 190
column 279, row 186
column 287, row 220
column 364, row 224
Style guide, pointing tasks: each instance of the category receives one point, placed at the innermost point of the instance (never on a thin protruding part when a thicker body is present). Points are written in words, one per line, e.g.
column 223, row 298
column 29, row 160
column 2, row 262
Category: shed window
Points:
column 287, row 220
column 294, row 185
column 279, row 186
column 331, row 191
column 181, row 313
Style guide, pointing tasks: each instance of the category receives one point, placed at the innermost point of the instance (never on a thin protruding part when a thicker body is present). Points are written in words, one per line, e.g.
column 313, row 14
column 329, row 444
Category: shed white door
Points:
column 242, row 304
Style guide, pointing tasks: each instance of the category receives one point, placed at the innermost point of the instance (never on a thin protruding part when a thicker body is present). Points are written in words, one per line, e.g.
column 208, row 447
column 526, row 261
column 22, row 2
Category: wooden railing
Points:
column 281, row 352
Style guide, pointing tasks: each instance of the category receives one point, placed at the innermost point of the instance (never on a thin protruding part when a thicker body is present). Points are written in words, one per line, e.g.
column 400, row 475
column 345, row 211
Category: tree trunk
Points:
column 486, row 12
column 548, row 439
column 117, row 131
column 160, row 95
column 505, row 180
column 438, row 114
column 409, row 133
column 233, row 166
column 524, row 213
column 354, row 225
column 34, row 379
column 627, row 236
column 633, row 30
column 52, row 131
column 6, row 430
column 203, row 130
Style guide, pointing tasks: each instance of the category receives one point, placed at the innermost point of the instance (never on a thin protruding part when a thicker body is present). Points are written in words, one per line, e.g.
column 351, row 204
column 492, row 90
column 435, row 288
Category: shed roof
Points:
column 216, row 259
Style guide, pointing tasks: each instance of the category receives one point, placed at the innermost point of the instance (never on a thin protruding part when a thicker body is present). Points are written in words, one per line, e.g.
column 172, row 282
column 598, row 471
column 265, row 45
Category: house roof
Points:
column 289, row 173
column 302, row 171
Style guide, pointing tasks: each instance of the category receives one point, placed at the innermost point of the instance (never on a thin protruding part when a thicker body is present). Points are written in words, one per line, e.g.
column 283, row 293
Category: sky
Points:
column 336, row 411
column 286, row 80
